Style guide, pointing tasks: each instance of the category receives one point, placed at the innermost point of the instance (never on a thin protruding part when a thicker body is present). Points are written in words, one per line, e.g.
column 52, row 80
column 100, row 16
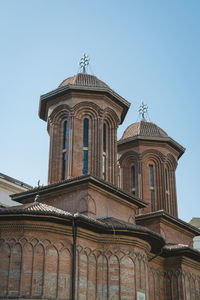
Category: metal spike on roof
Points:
column 84, row 62
column 143, row 109
column 37, row 198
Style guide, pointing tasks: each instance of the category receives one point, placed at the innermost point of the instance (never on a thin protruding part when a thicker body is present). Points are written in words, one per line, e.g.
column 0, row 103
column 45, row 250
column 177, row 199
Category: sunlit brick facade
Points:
column 105, row 226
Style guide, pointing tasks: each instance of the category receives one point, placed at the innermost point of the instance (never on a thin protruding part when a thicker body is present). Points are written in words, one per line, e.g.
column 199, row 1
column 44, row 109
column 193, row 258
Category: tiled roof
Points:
column 109, row 225
column 38, row 208
column 175, row 246
column 116, row 223
column 143, row 128
column 84, row 79
column 34, row 208
column 180, row 249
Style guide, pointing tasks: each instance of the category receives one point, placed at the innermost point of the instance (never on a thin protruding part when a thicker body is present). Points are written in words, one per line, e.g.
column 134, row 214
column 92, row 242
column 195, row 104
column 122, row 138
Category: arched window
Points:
column 85, row 145
column 133, row 180
column 167, row 189
column 64, row 149
column 151, row 187
column 104, row 151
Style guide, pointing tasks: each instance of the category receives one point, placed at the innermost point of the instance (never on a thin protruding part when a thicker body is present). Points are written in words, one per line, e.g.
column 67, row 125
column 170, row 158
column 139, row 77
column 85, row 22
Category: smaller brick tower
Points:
column 148, row 160
column 82, row 117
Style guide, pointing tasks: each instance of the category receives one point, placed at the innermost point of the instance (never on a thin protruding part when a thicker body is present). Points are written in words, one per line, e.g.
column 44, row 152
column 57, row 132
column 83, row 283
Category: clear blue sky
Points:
column 145, row 49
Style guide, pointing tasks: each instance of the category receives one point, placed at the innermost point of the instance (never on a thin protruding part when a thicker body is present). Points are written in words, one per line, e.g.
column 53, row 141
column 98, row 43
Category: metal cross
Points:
column 84, row 61
column 143, row 108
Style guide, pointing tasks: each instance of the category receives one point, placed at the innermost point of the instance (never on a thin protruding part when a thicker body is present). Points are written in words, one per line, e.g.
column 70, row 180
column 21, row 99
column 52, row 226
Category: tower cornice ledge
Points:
column 159, row 139
column 50, row 97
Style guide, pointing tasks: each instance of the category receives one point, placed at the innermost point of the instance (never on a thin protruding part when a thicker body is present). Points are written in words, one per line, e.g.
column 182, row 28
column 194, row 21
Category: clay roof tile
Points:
column 143, row 128
column 84, row 79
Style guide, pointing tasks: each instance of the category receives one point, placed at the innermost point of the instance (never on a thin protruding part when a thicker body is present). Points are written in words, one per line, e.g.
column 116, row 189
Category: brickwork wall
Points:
column 110, row 274
column 93, row 202
column 75, row 110
column 38, row 264
column 35, row 267
column 176, row 282
column 164, row 161
column 42, row 269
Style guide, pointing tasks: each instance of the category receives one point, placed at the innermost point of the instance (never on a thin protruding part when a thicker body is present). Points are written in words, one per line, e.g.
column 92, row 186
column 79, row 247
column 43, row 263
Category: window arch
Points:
column 85, row 145
column 129, row 172
column 64, row 149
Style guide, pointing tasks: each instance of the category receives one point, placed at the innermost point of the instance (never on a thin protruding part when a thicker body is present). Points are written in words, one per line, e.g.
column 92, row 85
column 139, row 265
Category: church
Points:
column 106, row 224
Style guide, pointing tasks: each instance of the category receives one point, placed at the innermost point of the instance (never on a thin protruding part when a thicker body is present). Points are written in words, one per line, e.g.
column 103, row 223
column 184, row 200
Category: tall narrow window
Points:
column 85, row 145
column 104, row 151
column 133, row 180
column 64, row 149
column 151, row 186
column 167, row 189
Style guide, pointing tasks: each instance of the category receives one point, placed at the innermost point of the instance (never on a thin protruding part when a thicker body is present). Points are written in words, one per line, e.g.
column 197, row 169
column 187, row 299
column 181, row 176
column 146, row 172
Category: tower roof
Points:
column 143, row 128
column 148, row 131
column 84, row 79
column 84, row 83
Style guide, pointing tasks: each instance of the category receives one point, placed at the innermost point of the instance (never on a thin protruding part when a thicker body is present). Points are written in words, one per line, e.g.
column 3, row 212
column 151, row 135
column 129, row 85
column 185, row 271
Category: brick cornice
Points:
column 166, row 218
column 187, row 254
column 123, row 233
column 29, row 196
column 68, row 89
column 152, row 139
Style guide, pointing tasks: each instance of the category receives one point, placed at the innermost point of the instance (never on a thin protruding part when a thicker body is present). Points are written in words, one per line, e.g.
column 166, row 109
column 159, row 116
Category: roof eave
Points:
column 82, row 179
column 70, row 88
column 155, row 240
column 183, row 251
column 168, row 217
column 169, row 140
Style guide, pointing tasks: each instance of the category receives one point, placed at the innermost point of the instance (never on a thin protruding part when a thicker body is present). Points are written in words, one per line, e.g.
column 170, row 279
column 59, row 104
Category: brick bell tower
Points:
column 148, row 159
column 82, row 117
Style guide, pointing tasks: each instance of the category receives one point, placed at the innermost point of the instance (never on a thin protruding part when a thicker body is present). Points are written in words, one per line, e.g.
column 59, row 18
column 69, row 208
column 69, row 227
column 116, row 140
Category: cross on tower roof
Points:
column 143, row 108
column 84, row 61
